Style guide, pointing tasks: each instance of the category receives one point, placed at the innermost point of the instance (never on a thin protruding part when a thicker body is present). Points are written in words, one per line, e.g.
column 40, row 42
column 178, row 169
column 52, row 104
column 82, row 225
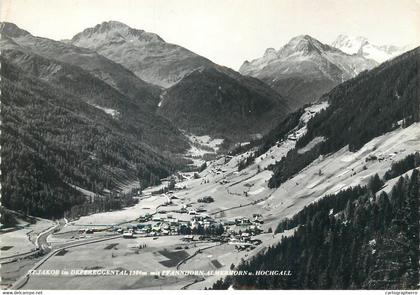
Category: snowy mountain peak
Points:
column 305, row 68
column 113, row 32
column 346, row 38
column 362, row 46
column 304, row 44
column 145, row 54
column 348, row 44
column 303, row 38
column 112, row 24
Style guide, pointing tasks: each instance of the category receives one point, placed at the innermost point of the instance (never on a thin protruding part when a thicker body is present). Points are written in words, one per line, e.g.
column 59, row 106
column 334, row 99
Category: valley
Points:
column 92, row 242
column 129, row 162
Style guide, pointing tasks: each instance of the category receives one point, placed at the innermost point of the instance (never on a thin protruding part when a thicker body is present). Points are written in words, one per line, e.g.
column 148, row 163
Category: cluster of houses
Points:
column 243, row 231
column 189, row 221
column 160, row 224
column 244, row 242
column 217, row 171
column 245, row 226
column 240, row 230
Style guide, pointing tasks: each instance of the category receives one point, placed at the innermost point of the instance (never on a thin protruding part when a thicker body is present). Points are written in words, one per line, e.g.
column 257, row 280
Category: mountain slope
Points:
column 305, row 68
column 362, row 47
column 145, row 54
column 340, row 244
column 66, row 128
column 209, row 102
column 369, row 105
column 129, row 100
column 52, row 140
column 110, row 72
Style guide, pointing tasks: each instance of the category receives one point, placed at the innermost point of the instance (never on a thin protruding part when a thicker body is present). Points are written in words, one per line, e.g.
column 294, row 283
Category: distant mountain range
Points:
column 305, row 68
column 363, row 47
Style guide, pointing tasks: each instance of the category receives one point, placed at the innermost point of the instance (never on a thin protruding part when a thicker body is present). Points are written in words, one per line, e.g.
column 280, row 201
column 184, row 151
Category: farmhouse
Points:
column 128, row 235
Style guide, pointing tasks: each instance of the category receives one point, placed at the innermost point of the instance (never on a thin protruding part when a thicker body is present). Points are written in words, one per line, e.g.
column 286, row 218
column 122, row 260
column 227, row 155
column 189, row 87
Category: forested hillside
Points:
column 369, row 105
column 52, row 138
column 135, row 114
column 221, row 103
column 355, row 239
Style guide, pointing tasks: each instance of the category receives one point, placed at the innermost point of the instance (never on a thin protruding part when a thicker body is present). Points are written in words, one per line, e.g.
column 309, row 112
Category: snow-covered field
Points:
column 226, row 255
column 23, row 240
column 200, row 146
column 206, row 141
column 343, row 169
column 145, row 205
column 119, row 254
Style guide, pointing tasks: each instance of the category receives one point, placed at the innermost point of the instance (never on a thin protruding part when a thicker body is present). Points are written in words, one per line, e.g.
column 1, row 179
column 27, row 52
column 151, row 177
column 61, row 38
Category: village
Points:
column 190, row 222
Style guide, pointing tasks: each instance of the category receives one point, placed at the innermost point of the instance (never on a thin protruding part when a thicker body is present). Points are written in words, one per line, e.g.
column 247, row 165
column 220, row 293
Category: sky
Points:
column 226, row 31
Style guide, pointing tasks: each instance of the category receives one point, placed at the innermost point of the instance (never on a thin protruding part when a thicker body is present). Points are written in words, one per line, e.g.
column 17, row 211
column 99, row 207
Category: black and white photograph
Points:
column 209, row 145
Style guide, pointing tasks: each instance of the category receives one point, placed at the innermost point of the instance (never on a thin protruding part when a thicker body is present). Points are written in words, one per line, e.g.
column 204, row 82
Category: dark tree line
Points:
column 213, row 230
column 246, row 162
column 410, row 162
column 291, row 164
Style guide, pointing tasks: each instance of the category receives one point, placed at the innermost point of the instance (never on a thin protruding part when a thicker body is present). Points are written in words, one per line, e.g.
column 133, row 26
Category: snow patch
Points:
column 114, row 113
column 311, row 144
column 256, row 191
column 206, row 140
column 348, row 158
column 201, row 146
